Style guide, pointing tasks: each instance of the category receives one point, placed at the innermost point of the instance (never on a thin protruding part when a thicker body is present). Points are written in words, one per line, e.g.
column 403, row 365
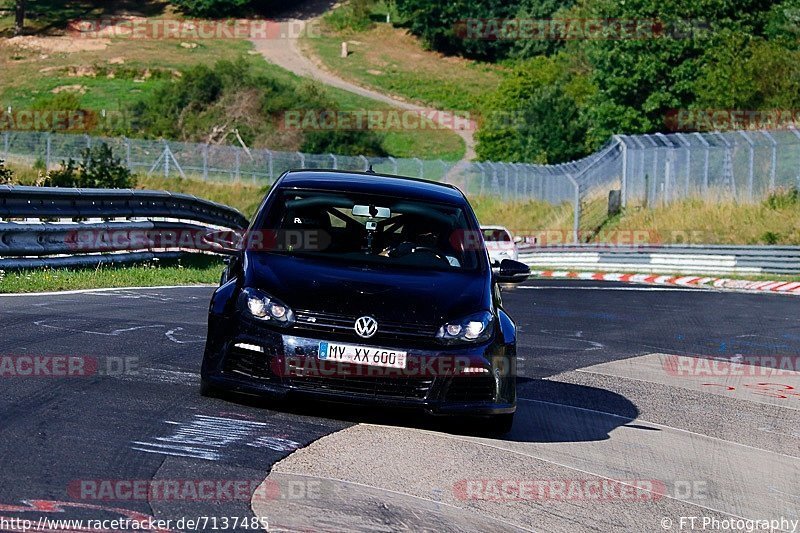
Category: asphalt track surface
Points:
column 597, row 402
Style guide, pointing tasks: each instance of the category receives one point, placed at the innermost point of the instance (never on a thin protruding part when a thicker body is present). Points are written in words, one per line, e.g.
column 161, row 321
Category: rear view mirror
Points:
column 513, row 271
column 371, row 211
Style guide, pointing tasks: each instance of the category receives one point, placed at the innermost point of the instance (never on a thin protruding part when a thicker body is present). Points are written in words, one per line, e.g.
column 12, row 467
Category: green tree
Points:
column 640, row 81
column 445, row 26
column 537, row 114
column 211, row 8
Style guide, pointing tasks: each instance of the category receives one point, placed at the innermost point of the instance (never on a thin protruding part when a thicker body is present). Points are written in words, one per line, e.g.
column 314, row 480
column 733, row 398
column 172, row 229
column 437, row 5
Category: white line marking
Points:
column 89, row 291
column 171, row 336
column 113, row 333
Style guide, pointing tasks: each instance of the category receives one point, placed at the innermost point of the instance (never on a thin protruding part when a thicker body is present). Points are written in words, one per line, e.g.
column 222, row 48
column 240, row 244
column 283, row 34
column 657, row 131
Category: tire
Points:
column 500, row 424
column 207, row 390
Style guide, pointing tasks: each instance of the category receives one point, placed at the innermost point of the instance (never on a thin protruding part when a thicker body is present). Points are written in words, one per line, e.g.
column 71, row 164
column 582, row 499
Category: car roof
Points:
column 372, row 183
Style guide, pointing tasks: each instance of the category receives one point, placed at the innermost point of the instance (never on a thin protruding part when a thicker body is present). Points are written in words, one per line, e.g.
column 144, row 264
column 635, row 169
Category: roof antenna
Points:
column 369, row 170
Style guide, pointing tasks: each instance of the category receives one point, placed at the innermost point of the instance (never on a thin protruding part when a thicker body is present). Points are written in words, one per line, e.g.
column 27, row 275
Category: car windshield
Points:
column 496, row 235
column 380, row 230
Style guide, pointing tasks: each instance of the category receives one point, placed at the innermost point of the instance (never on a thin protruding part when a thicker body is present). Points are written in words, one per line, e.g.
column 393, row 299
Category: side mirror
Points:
column 222, row 242
column 513, row 271
column 518, row 239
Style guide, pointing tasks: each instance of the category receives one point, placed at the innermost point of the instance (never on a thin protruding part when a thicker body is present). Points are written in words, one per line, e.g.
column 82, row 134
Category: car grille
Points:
column 471, row 389
column 335, row 323
column 410, row 388
column 250, row 363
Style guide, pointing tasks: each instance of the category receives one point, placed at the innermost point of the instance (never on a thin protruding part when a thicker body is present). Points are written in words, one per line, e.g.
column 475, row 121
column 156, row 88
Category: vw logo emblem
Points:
column 366, row 326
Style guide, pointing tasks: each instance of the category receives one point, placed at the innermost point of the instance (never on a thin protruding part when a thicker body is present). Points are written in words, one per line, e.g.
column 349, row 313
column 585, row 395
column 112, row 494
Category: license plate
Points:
column 361, row 355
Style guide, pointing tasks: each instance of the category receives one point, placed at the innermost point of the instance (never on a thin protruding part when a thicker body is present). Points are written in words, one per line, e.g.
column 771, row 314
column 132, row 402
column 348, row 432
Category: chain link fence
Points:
column 649, row 170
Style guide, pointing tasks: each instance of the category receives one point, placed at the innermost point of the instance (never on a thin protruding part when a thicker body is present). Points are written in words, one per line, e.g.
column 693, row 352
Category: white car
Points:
column 499, row 243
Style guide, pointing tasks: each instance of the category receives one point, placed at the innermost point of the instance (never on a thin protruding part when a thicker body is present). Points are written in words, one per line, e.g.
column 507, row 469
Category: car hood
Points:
column 405, row 295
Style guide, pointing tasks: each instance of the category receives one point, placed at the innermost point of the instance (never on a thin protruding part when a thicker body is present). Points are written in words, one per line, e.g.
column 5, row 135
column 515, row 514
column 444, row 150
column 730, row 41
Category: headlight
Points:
column 264, row 307
column 473, row 328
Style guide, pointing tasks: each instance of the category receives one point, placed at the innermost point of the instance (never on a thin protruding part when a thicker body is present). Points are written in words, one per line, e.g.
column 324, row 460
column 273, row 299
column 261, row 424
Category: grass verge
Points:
column 192, row 270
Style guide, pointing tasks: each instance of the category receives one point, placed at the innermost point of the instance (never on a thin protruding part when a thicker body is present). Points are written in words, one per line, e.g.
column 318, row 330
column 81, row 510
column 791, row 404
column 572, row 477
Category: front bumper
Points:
column 288, row 368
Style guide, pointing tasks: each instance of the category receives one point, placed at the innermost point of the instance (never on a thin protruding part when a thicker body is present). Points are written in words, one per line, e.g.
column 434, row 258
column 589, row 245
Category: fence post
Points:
column 688, row 146
column 205, row 162
column 705, row 164
column 47, row 156
column 796, row 134
column 751, row 166
column 238, row 164
column 271, row 172
column 669, row 167
column 6, row 140
column 166, row 159
column 88, row 140
column 127, row 153
column 421, row 166
column 576, row 217
column 624, row 184
column 727, row 164
column 774, row 162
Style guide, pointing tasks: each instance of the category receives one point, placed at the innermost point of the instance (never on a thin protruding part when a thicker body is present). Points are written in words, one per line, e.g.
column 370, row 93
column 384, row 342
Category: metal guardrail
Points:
column 58, row 202
column 667, row 259
column 93, row 226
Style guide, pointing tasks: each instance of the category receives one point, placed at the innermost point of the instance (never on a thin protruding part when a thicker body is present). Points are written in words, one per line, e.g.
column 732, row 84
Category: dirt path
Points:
column 288, row 53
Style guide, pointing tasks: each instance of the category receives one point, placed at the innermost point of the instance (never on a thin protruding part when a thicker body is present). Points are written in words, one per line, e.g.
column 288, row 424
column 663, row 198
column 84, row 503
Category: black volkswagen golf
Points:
column 366, row 288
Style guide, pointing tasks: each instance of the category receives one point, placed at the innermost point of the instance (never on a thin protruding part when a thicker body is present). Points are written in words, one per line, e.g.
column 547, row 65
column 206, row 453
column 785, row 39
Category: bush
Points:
column 355, row 15
column 355, row 142
column 783, row 199
column 208, row 104
column 6, row 174
column 98, row 169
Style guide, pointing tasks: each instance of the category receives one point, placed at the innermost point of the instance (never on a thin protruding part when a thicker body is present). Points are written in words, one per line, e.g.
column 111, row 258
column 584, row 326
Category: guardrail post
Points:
column 335, row 162
column 88, row 140
column 302, row 159
column 6, row 139
column 394, row 164
column 366, row 162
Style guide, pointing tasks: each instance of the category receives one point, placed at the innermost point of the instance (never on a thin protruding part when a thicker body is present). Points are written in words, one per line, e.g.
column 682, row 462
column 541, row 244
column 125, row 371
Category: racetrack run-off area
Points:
column 662, row 397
